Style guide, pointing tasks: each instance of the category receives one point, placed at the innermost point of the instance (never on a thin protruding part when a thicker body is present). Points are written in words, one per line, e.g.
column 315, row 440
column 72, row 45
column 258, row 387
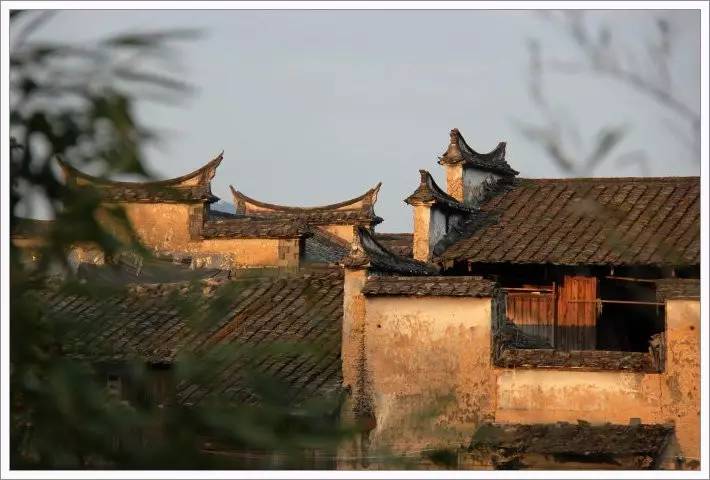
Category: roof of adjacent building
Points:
column 298, row 314
column 324, row 247
column 458, row 151
column 583, row 439
column 192, row 187
column 583, row 221
column 677, row 288
column 399, row 243
column 223, row 226
column 428, row 192
column 436, row 286
column 367, row 252
column 357, row 211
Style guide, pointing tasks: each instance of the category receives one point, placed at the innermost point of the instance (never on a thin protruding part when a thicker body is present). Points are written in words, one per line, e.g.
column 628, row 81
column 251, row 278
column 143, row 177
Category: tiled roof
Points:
column 670, row 288
column 356, row 211
column 192, row 187
column 583, row 221
column 324, row 247
column 148, row 194
column 399, row 243
column 246, row 227
column 458, row 151
column 562, row 438
column 437, row 286
column 429, row 192
column 368, row 252
column 337, row 217
column 303, row 309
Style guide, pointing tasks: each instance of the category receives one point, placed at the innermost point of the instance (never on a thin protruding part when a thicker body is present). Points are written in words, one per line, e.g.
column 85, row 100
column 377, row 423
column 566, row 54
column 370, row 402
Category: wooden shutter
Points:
column 532, row 312
column 577, row 313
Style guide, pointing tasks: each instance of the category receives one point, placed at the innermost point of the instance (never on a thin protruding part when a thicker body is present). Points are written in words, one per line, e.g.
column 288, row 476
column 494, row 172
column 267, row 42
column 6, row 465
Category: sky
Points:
column 315, row 107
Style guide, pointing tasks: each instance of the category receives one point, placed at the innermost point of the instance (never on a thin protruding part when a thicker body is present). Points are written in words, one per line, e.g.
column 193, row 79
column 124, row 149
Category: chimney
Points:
column 469, row 173
column 432, row 218
column 452, row 160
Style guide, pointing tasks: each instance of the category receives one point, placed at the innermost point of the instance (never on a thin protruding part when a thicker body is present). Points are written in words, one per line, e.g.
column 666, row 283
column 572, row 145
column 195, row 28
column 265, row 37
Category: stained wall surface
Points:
column 165, row 227
column 346, row 232
column 428, row 365
column 420, row 240
column 473, row 180
column 454, row 181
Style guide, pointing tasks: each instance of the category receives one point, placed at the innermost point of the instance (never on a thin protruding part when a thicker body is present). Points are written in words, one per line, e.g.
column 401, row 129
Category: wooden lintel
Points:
column 631, row 279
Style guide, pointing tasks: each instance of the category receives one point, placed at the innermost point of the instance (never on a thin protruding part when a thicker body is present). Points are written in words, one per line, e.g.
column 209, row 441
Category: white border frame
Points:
column 6, row 6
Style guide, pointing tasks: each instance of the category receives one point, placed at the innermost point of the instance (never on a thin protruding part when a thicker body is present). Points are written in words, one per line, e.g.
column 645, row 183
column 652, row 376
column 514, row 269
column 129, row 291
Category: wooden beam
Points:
column 631, row 279
column 628, row 302
column 521, row 289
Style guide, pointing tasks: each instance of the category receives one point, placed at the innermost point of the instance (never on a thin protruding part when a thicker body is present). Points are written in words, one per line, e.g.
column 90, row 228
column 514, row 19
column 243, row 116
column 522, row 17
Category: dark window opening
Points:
column 628, row 326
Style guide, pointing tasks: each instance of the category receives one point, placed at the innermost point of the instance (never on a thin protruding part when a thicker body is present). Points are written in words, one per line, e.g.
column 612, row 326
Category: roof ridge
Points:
column 459, row 151
column 206, row 173
column 372, row 193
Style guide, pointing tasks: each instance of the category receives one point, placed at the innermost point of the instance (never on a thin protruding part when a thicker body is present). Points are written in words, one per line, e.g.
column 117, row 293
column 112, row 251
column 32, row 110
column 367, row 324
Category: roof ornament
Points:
column 459, row 151
column 429, row 193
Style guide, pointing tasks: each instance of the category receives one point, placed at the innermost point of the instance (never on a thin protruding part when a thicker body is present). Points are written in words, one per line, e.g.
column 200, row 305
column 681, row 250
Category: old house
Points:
column 524, row 323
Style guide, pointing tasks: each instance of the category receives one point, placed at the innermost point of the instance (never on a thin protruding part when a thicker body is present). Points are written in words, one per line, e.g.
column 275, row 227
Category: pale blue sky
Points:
column 314, row 107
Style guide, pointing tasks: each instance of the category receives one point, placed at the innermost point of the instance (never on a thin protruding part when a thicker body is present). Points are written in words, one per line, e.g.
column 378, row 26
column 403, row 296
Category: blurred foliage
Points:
column 644, row 67
column 78, row 102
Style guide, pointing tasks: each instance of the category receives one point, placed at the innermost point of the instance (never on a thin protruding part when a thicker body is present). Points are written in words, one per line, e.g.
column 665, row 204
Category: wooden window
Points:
column 577, row 313
column 533, row 312
column 565, row 316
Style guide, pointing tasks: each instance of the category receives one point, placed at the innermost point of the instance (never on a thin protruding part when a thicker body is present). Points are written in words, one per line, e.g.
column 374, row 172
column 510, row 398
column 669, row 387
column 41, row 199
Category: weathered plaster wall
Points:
column 539, row 396
column 353, row 450
column 428, row 362
column 248, row 252
column 430, row 225
column 437, row 227
column 454, row 181
column 346, row 232
column 680, row 389
column 473, row 181
column 165, row 227
column 353, row 325
column 420, row 239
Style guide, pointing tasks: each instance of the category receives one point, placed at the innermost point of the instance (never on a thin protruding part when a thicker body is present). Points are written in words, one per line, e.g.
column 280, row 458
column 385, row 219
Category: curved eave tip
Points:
column 218, row 159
